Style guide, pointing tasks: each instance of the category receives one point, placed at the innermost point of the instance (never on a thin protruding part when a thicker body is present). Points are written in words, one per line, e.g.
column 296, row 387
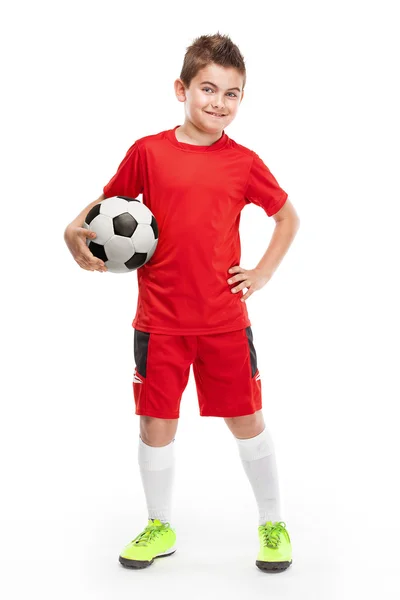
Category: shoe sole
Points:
column 142, row 564
column 273, row 567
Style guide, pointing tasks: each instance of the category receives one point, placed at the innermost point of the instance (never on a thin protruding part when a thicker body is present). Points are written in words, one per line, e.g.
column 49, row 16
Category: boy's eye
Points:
column 205, row 89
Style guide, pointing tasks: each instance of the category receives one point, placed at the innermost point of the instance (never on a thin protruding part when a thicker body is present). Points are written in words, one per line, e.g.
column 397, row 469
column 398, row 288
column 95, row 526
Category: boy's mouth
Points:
column 219, row 116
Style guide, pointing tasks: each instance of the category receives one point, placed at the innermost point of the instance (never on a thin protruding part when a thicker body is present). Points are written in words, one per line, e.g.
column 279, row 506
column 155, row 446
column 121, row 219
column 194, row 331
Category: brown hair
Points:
column 206, row 49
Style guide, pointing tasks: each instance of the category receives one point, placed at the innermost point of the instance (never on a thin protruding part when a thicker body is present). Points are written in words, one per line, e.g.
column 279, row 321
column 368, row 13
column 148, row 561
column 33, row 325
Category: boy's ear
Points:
column 180, row 90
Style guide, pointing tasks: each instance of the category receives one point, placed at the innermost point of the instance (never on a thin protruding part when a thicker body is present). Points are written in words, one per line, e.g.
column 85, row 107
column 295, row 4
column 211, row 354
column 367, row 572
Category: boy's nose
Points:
column 219, row 102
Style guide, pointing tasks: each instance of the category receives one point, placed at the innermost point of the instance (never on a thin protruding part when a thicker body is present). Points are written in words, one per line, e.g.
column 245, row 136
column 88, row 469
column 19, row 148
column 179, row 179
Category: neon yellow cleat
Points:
column 275, row 548
column 156, row 540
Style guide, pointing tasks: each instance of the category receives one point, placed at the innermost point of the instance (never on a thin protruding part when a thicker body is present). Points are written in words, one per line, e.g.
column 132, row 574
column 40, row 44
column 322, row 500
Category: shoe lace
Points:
column 271, row 533
column 149, row 533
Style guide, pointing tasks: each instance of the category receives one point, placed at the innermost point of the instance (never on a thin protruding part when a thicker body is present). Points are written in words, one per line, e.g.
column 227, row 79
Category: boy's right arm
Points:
column 75, row 237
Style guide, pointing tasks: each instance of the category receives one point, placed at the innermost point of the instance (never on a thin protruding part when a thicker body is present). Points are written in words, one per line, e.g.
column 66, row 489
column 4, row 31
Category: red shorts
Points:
column 224, row 366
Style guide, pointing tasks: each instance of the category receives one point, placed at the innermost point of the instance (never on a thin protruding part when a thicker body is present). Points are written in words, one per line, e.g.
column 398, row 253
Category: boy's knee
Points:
column 246, row 426
column 157, row 432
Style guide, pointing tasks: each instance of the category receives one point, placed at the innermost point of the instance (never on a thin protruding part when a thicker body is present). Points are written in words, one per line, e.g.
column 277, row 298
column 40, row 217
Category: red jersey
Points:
column 196, row 194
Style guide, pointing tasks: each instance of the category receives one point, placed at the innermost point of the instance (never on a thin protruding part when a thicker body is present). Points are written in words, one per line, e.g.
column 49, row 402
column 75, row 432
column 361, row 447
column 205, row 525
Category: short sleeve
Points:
column 263, row 189
column 128, row 180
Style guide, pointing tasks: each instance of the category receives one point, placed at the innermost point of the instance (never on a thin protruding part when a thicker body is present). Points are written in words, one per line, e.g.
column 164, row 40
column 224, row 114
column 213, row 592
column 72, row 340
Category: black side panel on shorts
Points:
column 253, row 355
column 140, row 350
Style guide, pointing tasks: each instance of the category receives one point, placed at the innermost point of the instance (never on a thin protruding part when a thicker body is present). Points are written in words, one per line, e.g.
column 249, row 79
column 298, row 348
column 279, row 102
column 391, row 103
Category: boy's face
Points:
column 221, row 95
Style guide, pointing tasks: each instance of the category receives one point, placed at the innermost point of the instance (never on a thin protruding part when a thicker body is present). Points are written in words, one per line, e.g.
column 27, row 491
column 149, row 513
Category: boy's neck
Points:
column 190, row 134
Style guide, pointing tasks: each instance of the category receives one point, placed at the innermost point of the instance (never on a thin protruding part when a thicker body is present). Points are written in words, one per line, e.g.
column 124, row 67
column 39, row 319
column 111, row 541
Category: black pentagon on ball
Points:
column 98, row 251
column 154, row 227
column 137, row 260
column 93, row 212
column 125, row 225
column 153, row 223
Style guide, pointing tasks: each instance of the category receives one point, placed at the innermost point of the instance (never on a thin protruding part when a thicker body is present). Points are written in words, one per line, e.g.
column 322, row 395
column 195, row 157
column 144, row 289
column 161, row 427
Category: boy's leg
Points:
column 162, row 365
column 259, row 462
column 157, row 464
column 229, row 385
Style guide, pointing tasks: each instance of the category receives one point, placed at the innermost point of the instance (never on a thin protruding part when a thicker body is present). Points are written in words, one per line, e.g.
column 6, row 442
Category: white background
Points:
column 81, row 82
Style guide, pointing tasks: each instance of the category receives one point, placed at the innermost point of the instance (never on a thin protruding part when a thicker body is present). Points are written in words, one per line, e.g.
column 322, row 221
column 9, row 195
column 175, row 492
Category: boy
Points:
column 196, row 180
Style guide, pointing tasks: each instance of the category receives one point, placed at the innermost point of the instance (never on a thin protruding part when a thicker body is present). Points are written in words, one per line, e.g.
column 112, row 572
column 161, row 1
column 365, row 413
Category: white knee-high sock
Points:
column 259, row 463
column 157, row 467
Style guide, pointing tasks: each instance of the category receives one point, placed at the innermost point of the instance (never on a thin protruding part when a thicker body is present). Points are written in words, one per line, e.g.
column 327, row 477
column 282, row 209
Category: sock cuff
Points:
column 153, row 458
column 256, row 447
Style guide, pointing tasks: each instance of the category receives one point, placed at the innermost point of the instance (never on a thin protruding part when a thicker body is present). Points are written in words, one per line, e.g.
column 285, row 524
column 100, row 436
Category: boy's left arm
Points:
column 286, row 227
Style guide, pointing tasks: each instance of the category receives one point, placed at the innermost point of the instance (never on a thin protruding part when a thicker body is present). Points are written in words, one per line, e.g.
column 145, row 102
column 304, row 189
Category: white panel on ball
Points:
column 103, row 226
column 115, row 267
column 152, row 250
column 113, row 206
column 140, row 212
column 143, row 238
column 119, row 249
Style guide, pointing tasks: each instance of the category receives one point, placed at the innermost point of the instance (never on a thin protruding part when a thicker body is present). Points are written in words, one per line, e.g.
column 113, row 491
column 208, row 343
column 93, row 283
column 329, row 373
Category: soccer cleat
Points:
column 156, row 540
column 275, row 548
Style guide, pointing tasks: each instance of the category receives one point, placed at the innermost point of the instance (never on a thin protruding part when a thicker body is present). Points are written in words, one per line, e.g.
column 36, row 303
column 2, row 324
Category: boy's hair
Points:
column 206, row 49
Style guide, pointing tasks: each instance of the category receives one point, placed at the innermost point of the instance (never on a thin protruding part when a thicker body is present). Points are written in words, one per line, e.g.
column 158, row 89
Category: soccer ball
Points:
column 126, row 233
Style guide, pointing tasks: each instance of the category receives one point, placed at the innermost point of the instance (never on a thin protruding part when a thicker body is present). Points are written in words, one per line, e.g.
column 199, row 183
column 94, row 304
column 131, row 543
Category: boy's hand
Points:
column 75, row 238
column 253, row 279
